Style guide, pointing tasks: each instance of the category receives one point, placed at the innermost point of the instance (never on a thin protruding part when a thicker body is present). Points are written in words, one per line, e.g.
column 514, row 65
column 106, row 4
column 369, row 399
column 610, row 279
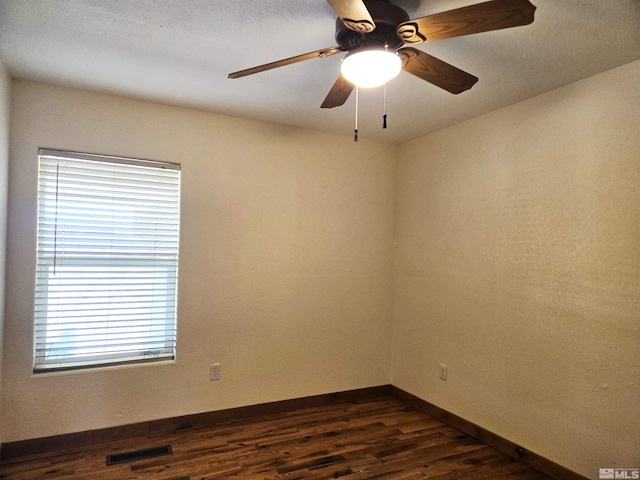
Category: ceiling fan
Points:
column 365, row 28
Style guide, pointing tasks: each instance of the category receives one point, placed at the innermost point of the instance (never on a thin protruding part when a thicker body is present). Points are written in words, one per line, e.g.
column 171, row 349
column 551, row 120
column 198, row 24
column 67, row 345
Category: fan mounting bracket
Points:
column 386, row 17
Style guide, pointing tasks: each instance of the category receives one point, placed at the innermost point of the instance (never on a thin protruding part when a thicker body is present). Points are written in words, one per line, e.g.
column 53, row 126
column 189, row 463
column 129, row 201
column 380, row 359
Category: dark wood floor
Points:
column 381, row 439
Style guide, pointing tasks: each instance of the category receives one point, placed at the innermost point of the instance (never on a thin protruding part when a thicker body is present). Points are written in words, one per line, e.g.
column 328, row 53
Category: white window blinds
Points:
column 107, row 260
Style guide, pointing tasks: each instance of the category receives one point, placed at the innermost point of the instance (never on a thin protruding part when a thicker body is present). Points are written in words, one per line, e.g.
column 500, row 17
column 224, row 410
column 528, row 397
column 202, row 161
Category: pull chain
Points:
column 384, row 116
column 355, row 131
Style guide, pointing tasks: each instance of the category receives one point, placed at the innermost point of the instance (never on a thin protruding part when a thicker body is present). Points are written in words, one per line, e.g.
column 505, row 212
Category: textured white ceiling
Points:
column 180, row 51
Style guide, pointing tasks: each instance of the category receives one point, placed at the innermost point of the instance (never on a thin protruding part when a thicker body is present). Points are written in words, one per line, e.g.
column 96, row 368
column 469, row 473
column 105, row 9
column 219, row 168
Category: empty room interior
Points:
column 480, row 255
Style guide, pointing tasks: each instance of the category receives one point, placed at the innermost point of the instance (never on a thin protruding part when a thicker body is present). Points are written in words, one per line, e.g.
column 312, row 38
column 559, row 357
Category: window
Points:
column 107, row 260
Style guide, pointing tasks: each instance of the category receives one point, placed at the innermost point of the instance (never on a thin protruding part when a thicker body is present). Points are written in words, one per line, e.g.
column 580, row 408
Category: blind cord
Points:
column 55, row 222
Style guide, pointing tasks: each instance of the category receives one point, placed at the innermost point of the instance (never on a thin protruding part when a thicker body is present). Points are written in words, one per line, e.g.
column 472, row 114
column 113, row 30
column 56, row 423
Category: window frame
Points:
column 153, row 256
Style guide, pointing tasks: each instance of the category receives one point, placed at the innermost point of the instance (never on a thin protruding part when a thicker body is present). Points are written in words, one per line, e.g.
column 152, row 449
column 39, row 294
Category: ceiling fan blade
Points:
column 338, row 94
column 286, row 61
column 354, row 15
column 482, row 17
column 435, row 71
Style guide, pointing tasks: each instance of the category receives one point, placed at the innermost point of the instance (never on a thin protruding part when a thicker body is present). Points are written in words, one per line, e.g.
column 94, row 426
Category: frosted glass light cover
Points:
column 371, row 68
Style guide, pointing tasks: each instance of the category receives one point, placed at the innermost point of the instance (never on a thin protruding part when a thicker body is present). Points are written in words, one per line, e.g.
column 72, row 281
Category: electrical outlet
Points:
column 214, row 371
column 442, row 372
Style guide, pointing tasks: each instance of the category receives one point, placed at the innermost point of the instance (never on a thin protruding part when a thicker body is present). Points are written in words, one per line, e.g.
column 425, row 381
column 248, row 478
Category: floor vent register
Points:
column 143, row 454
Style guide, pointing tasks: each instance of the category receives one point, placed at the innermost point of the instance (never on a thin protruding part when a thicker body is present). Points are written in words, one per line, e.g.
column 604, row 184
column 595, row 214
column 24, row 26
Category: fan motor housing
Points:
column 386, row 17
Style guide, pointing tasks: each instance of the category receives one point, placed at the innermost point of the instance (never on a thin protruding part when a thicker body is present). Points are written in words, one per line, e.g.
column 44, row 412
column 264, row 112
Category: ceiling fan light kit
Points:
column 370, row 68
column 374, row 33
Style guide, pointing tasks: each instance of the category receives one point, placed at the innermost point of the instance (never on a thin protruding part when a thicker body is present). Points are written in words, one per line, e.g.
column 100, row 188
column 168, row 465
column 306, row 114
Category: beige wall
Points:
column 5, row 100
column 518, row 266
column 517, row 263
column 285, row 264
